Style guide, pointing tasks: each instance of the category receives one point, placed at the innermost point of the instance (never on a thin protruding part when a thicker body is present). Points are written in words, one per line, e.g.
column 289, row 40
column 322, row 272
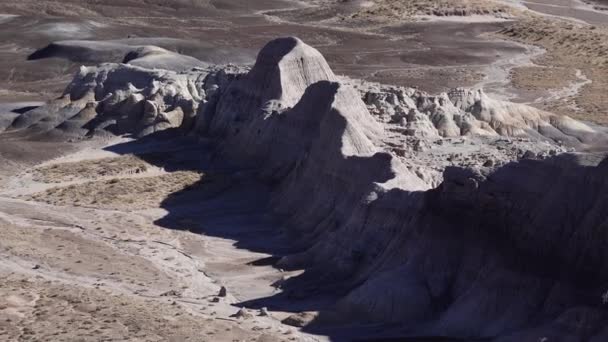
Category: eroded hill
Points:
column 454, row 215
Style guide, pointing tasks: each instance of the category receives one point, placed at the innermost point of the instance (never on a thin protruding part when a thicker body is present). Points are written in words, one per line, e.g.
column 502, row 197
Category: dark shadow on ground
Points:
column 232, row 203
column 24, row 109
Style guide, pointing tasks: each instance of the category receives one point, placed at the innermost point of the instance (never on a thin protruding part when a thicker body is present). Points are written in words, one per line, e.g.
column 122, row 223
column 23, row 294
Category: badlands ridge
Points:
column 453, row 215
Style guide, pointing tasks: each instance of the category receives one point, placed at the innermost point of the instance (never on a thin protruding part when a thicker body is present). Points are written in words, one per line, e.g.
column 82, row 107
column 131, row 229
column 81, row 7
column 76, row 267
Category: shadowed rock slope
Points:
column 511, row 248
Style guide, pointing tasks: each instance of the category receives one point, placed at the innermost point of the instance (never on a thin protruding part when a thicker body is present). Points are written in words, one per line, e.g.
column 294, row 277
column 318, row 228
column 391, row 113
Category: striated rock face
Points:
column 454, row 215
column 283, row 70
column 489, row 253
column 285, row 67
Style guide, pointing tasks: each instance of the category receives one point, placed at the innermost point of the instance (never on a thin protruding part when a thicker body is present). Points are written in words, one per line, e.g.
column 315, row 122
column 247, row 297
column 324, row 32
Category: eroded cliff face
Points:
column 491, row 253
column 454, row 215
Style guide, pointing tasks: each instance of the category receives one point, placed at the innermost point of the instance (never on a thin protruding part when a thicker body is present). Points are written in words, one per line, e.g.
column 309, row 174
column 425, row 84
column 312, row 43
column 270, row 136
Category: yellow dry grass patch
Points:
column 571, row 47
column 89, row 169
column 122, row 193
column 588, row 44
column 400, row 9
column 538, row 78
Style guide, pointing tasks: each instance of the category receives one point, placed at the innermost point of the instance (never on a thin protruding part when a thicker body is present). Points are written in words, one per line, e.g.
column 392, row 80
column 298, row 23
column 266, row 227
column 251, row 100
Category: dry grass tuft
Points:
column 401, row 9
column 90, row 169
column 588, row 44
column 569, row 47
column 122, row 193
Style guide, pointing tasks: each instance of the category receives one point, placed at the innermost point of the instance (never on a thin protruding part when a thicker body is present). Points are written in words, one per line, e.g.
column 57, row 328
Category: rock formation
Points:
column 133, row 51
column 454, row 215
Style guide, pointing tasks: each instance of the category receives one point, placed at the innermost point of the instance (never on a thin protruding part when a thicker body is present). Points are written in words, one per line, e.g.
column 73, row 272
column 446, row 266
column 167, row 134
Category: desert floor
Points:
column 123, row 240
column 122, row 243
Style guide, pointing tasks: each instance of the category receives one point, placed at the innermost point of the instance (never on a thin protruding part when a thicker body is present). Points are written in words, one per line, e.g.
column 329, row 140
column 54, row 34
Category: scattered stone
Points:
column 301, row 319
column 264, row 312
column 171, row 293
column 243, row 314
column 529, row 155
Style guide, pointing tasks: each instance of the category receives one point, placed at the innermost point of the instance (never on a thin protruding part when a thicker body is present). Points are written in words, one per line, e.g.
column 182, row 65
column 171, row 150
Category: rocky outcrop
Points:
column 492, row 253
column 282, row 72
column 466, row 112
column 120, row 99
column 153, row 57
column 454, row 215
column 132, row 51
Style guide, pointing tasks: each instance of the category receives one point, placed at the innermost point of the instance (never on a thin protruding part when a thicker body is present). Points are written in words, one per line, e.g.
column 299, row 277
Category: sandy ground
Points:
column 129, row 266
